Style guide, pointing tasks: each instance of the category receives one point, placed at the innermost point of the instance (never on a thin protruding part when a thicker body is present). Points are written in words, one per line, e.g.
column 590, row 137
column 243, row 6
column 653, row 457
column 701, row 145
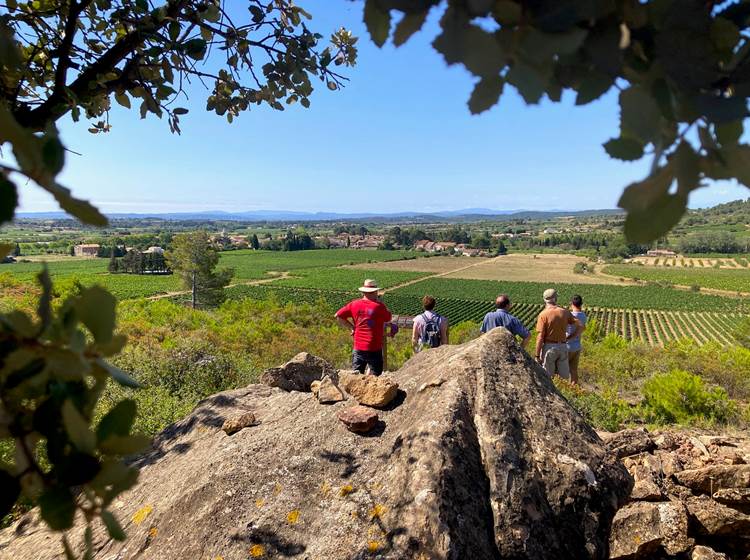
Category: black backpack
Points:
column 431, row 333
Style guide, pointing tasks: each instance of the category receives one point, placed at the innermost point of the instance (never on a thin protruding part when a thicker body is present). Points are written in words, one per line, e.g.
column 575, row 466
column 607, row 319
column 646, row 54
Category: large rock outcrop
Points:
column 481, row 459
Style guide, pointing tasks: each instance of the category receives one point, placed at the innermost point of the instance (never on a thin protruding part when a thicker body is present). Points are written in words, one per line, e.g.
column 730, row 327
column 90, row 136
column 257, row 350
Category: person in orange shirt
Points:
column 553, row 335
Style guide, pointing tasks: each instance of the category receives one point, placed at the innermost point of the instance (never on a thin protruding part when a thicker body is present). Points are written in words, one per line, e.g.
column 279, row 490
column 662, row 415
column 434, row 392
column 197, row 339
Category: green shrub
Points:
column 679, row 396
column 607, row 411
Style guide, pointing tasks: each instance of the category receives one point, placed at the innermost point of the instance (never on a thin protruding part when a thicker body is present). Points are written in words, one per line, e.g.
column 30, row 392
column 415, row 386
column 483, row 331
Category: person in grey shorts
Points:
column 553, row 335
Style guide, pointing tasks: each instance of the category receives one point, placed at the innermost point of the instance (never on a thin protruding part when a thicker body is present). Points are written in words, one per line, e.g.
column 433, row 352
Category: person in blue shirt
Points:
column 502, row 318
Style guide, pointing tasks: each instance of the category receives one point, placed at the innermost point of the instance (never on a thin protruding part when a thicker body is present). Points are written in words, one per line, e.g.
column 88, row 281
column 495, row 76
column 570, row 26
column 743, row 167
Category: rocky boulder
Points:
column 369, row 390
column 298, row 373
column 644, row 529
column 486, row 461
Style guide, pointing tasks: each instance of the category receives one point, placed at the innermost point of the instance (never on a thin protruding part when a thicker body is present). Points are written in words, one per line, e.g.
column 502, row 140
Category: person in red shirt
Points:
column 366, row 318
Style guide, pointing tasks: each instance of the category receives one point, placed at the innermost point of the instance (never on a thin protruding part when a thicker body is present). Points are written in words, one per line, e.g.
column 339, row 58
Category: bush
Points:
column 679, row 396
column 607, row 412
column 695, row 288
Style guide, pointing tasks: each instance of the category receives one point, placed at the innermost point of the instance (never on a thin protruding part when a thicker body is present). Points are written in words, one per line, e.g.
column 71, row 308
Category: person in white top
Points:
column 430, row 329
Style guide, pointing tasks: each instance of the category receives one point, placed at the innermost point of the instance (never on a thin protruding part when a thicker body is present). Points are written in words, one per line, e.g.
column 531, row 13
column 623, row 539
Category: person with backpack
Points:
column 502, row 318
column 430, row 329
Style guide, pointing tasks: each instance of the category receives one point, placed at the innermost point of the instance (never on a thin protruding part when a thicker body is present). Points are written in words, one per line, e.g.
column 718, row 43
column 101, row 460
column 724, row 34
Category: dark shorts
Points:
column 362, row 358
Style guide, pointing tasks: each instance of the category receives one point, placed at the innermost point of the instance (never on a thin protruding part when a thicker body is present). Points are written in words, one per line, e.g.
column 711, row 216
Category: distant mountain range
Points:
column 287, row 216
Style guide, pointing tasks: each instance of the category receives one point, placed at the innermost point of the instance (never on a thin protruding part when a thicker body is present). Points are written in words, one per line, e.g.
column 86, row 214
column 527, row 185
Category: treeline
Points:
column 713, row 242
column 135, row 262
column 291, row 242
column 610, row 246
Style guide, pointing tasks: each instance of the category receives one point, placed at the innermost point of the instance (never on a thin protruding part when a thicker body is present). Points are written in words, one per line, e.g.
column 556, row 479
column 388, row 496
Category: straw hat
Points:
column 550, row 295
column 369, row 286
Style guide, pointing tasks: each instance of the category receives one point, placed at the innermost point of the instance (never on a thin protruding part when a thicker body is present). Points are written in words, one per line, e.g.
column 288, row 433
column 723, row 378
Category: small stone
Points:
column 665, row 441
column 642, row 527
column 630, row 442
column 237, row 423
column 713, row 518
column 327, row 391
column 646, row 490
column 315, row 387
column 369, row 390
column 710, row 479
column 358, row 419
column 706, row 553
column 733, row 496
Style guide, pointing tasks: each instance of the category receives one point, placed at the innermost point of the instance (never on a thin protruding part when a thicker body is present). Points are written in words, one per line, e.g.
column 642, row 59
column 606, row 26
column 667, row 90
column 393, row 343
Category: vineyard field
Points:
column 346, row 278
column 655, row 328
column 720, row 279
column 622, row 297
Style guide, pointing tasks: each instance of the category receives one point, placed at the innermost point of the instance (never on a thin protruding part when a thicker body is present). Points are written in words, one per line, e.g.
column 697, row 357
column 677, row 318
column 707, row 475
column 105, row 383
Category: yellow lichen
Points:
column 152, row 532
column 346, row 490
column 277, row 489
column 257, row 550
column 259, row 503
column 373, row 546
column 141, row 515
column 377, row 511
column 292, row 517
column 325, row 488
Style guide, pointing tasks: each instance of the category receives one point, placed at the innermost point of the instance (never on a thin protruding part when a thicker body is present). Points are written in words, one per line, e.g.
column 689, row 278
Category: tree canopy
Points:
column 682, row 69
column 78, row 57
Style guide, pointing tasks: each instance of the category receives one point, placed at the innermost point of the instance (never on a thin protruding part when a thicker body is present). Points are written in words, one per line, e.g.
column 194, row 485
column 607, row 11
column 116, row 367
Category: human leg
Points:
column 359, row 361
column 573, row 358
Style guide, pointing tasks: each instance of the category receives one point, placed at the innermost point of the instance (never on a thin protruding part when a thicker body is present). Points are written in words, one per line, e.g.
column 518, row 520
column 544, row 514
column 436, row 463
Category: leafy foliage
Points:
column 78, row 57
column 680, row 66
column 679, row 396
column 52, row 374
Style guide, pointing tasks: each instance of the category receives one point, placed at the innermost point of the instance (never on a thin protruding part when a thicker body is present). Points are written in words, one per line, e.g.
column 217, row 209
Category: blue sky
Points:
column 398, row 137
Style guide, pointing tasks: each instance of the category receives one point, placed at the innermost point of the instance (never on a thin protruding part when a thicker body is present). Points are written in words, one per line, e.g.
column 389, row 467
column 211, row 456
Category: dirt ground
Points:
column 435, row 265
column 512, row 268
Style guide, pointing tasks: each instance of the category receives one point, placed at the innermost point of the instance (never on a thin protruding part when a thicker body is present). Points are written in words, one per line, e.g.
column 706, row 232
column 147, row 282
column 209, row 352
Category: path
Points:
column 438, row 275
column 245, row 283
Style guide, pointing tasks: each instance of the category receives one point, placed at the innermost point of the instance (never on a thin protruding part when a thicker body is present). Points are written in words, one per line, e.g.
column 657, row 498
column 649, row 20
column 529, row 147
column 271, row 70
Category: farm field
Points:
column 740, row 261
column 517, row 267
column 623, row 297
column 720, row 279
column 652, row 327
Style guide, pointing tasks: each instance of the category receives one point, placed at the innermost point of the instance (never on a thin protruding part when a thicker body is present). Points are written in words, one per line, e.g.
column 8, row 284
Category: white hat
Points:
column 550, row 295
column 369, row 286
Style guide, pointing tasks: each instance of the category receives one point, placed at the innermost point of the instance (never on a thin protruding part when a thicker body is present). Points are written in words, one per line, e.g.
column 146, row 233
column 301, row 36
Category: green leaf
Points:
column 180, row 111
column 78, row 428
column 724, row 34
column 5, row 249
column 626, row 149
column 113, row 526
column 729, row 133
column 123, row 99
column 8, row 201
column 53, row 155
column 58, row 508
column 96, row 309
column 479, row 51
column 639, row 114
column 118, row 375
column 212, row 13
column 738, row 162
column 44, row 309
column 118, row 421
column 652, row 209
column 408, row 26
column 80, row 209
column 539, row 47
column 687, row 168
column 125, row 445
column 486, row 94
column 195, row 48
column 174, row 30
column 507, row 12
column 378, row 22
column 529, row 82
column 10, row 489
column 592, row 87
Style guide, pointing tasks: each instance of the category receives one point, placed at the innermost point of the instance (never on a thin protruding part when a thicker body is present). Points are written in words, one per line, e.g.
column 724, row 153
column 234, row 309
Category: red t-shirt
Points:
column 369, row 320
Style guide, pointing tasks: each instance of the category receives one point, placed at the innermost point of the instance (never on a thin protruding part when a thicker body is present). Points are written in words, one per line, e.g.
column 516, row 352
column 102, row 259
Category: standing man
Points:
column 430, row 329
column 574, row 342
column 501, row 318
column 366, row 318
column 552, row 336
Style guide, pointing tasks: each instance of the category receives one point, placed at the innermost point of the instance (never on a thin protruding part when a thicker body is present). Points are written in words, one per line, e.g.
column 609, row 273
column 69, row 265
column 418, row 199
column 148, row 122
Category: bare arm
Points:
column 345, row 323
column 578, row 331
column 525, row 341
column 444, row 331
column 414, row 336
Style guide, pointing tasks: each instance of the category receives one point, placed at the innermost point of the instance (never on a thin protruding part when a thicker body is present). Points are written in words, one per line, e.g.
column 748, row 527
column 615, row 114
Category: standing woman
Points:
column 574, row 343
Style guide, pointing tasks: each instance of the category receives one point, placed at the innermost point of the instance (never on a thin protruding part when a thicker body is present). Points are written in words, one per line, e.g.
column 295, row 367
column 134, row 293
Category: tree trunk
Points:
column 195, row 291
